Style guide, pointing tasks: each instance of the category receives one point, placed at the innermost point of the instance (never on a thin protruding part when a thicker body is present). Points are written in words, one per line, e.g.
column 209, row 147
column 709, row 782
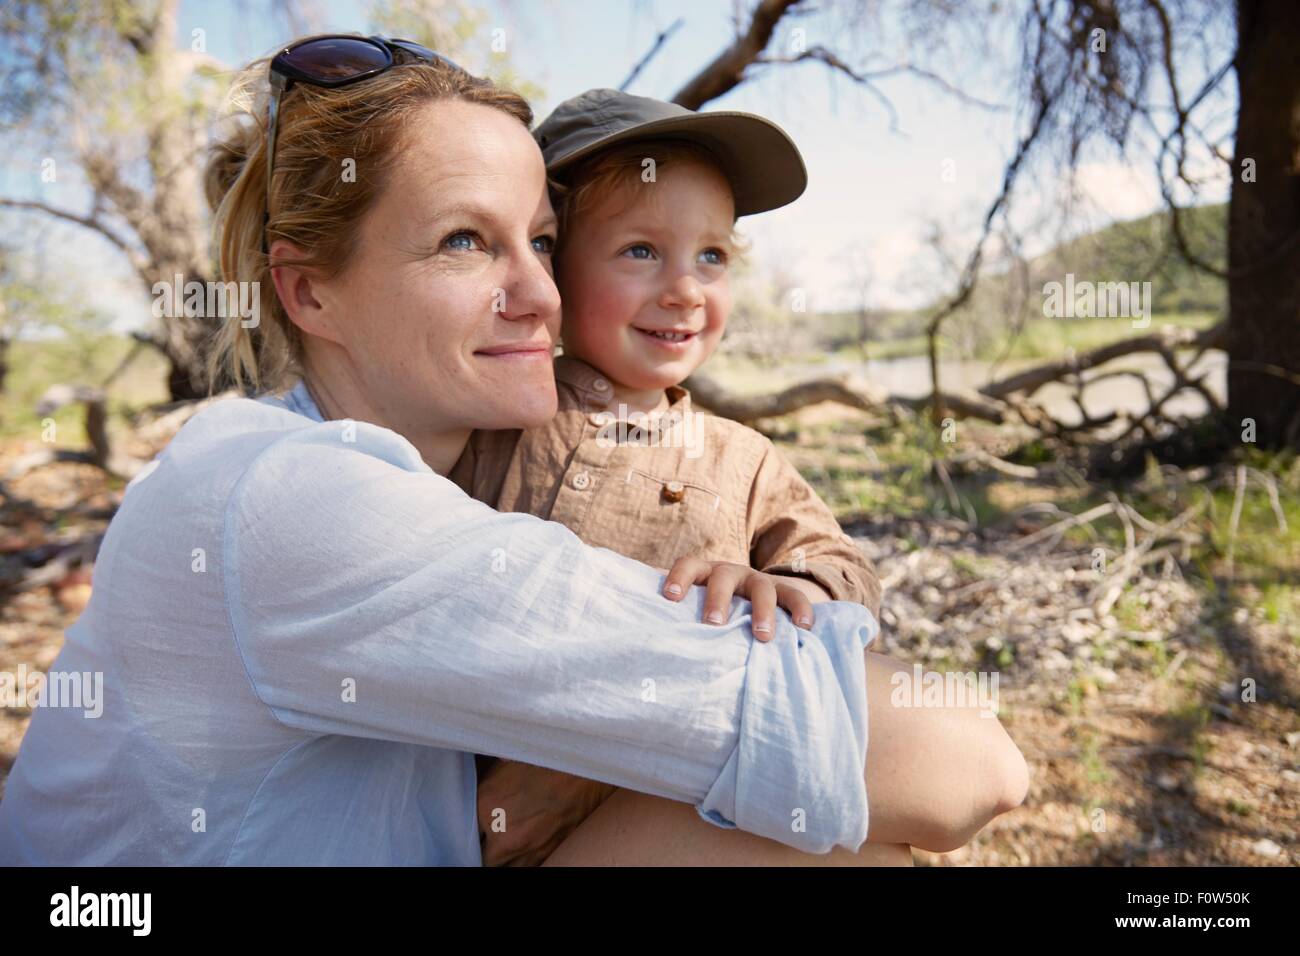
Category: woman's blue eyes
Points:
column 451, row 242
column 465, row 240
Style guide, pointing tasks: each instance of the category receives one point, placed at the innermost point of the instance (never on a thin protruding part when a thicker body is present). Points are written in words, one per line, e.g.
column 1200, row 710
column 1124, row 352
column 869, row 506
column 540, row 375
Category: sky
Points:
column 872, row 192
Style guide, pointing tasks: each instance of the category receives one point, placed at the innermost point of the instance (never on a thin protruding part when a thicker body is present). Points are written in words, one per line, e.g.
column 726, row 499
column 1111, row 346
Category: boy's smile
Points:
column 643, row 280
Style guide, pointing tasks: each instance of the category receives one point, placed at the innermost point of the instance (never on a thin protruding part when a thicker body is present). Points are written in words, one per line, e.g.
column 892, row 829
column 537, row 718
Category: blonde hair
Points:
column 311, row 204
column 616, row 172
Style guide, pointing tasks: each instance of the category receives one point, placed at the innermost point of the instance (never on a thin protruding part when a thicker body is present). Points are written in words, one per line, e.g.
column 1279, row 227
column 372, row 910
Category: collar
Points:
column 591, row 384
column 298, row 399
column 592, row 387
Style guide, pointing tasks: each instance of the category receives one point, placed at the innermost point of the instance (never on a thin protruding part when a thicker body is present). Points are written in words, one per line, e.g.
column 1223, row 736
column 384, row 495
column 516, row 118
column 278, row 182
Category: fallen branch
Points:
column 717, row 399
column 1030, row 380
column 1056, row 531
column 981, row 457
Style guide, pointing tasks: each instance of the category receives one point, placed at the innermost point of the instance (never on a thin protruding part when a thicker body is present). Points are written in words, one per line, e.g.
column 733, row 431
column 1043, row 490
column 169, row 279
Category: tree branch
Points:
column 823, row 55
column 727, row 69
column 650, row 54
column 1032, row 379
column 138, row 261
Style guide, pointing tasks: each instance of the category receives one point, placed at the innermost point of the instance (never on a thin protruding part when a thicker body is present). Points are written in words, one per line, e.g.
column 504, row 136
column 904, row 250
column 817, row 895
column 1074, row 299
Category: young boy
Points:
column 647, row 194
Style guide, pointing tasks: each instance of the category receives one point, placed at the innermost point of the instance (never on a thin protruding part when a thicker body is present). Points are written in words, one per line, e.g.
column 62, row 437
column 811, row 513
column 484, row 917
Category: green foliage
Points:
column 457, row 30
column 1134, row 251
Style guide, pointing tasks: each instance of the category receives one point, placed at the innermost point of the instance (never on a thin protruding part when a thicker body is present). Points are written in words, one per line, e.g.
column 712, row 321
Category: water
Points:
column 910, row 378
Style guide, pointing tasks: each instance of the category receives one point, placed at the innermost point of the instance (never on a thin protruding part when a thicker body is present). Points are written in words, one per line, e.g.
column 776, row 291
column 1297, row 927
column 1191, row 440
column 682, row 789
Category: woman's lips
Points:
column 517, row 353
column 672, row 341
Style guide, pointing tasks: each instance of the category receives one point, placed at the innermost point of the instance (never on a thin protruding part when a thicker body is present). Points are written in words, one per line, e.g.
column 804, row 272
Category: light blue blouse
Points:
column 304, row 635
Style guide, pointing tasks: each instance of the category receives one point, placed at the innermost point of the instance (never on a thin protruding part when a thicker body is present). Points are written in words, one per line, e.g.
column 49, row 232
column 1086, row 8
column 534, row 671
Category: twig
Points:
column 1271, row 487
column 659, row 41
column 1238, row 499
column 1061, row 527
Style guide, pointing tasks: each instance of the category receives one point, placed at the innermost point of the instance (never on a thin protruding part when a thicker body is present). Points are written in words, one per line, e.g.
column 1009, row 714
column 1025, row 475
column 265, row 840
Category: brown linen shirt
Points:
column 688, row 484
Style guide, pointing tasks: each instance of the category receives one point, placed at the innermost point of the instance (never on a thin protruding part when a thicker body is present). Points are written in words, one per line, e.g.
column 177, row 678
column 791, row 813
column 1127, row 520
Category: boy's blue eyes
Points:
column 713, row 257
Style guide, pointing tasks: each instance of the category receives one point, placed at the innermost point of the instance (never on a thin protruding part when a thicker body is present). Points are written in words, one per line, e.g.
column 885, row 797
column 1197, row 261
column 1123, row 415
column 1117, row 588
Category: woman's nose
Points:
column 531, row 292
column 684, row 292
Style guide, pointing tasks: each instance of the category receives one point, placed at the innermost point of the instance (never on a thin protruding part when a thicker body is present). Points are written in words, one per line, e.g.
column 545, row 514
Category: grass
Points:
column 1049, row 338
column 87, row 360
column 1040, row 339
column 1264, row 555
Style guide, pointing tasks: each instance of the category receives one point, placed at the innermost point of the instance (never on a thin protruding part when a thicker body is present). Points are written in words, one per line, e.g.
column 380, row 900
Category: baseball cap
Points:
column 760, row 160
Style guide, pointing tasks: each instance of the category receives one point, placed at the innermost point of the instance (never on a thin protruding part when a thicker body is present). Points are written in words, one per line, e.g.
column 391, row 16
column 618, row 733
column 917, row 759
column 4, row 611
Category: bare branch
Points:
column 823, row 55
column 659, row 42
column 138, row 261
column 727, row 69
column 718, row 400
column 1030, row 380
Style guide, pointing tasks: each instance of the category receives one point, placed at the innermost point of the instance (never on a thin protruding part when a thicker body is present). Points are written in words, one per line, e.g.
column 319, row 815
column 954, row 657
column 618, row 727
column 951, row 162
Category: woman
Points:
column 305, row 631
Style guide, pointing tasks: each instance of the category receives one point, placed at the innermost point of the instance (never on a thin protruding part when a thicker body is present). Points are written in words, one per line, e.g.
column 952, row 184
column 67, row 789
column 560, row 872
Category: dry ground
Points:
column 1141, row 748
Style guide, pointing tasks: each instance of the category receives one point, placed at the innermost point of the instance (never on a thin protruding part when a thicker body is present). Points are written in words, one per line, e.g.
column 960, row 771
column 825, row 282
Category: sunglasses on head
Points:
column 330, row 61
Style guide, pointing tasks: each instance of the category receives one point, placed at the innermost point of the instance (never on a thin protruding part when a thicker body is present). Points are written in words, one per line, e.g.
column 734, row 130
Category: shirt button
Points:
column 674, row 491
column 581, row 481
column 600, row 385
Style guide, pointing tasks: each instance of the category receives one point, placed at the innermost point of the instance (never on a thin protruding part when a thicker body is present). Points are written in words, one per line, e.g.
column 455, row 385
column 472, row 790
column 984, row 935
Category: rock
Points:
column 1104, row 676
column 1266, row 848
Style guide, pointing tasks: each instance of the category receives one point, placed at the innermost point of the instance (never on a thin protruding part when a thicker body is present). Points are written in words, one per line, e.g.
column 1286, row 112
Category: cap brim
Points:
column 761, row 161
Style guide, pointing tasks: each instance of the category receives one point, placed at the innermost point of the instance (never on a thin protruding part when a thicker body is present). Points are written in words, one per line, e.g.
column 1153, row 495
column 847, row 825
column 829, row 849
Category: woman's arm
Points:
column 936, row 776
column 370, row 597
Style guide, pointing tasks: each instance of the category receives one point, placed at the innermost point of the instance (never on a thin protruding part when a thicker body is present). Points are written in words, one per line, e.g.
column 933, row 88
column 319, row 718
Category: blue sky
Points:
column 871, row 191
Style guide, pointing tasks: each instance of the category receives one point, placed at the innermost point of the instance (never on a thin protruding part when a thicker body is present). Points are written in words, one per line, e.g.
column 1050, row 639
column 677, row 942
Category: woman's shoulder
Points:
column 237, row 424
column 233, row 440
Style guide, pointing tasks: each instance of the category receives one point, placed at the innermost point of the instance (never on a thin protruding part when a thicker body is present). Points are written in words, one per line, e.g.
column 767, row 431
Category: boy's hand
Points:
column 765, row 592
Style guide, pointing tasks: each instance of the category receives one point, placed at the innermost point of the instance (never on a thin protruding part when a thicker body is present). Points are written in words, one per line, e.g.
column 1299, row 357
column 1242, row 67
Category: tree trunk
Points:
column 1264, row 303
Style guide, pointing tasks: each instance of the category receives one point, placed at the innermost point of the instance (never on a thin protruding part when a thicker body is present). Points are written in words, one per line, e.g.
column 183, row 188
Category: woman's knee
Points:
column 936, row 775
column 1010, row 773
column 999, row 785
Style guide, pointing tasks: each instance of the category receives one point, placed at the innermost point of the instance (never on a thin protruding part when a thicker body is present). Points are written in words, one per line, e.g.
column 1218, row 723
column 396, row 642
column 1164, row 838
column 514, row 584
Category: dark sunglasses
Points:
column 330, row 61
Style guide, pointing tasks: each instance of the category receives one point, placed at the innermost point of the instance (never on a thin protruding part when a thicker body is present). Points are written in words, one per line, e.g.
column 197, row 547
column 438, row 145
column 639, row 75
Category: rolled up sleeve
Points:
column 370, row 597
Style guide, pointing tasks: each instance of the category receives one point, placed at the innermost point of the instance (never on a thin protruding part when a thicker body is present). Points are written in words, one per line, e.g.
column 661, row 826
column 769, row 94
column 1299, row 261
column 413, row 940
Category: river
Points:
column 909, row 377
